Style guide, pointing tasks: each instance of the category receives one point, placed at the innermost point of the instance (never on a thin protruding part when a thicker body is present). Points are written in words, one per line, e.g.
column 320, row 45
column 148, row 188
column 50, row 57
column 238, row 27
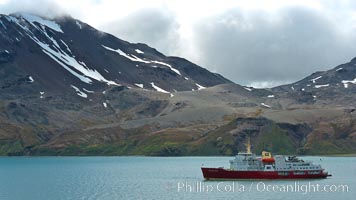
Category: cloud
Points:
column 257, row 47
column 46, row 8
column 155, row 27
column 264, row 49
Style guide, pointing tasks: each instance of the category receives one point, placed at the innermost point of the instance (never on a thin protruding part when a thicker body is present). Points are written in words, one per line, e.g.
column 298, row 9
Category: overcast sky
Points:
column 258, row 43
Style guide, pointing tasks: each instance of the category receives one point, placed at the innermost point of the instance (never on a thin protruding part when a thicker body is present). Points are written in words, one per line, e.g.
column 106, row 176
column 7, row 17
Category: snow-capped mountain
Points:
column 69, row 89
column 66, row 55
column 337, row 85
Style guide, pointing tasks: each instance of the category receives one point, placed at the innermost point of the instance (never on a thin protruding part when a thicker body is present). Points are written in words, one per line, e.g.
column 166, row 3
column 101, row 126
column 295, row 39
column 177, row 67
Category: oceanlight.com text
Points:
column 294, row 187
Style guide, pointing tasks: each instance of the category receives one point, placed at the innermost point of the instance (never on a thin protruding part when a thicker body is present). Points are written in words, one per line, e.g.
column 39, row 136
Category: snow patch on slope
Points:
column 33, row 18
column 79, row 93
column 137, row 59
column 41, row 94
column 248, row 89
column 62, row 58
column 132, row 57
column 31, row 79
column 346, row 82
column 2, row 24
column 88, row 91
column 78, row 24
column 320, row 86
column 168, row 65
column 139, row 85
column 265, row 105
column 315, row 79
column 139, row 51
column 158, row 88
column 67, row 47
column 199, row 86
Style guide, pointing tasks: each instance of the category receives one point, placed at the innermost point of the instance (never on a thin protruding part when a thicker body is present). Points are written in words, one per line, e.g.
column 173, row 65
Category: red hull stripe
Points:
column 220, row 173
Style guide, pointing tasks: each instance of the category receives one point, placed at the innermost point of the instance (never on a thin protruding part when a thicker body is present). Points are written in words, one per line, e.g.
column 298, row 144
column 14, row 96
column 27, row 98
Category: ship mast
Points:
column 248, row 145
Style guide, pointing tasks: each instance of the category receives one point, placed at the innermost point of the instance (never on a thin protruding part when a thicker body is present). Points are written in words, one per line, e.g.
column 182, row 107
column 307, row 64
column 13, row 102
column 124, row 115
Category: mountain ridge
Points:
column 69, row 89
column 91, row 55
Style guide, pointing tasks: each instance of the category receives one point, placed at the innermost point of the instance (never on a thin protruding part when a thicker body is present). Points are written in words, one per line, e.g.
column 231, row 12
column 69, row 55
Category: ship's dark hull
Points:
column 220, row 173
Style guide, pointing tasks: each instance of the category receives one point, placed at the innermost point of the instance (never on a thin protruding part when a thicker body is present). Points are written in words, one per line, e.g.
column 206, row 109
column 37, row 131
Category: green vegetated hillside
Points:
column 213, row 121
column 227, row 139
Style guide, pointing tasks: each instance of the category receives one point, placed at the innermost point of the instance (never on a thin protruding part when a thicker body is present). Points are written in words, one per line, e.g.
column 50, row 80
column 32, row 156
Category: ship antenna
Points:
column 248, row 145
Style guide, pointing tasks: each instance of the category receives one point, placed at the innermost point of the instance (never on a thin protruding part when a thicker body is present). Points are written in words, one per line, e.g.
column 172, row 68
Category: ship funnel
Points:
column 267, row 157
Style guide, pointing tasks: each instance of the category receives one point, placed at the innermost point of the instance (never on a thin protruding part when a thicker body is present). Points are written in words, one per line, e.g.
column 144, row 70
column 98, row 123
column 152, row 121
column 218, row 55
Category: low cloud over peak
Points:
column 45, row 8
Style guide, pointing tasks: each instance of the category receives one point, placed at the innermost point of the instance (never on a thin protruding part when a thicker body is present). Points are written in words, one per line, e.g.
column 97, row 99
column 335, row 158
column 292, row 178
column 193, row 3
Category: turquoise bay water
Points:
column 158, row 178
